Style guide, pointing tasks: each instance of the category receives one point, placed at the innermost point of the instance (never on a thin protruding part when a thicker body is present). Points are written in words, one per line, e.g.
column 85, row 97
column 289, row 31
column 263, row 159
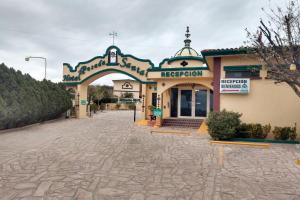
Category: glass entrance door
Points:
column 193, row 102
column 200, row 103
column 186, row 103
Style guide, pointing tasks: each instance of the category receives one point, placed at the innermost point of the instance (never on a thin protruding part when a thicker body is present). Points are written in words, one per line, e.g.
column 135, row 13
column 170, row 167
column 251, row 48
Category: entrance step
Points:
column 182, row 122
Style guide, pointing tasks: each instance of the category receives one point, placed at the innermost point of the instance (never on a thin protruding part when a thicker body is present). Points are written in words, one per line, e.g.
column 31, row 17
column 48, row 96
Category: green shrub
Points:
column 118, row 106
column 293, row 133
column 94, row 107
column 151, row 108
column 253, row 131
column 266, row 130
column 102, row 106
column 24, row 100
column 243, row 131
column 131, row 106
column 285, row 133
column 222, row 125
column 257, row 131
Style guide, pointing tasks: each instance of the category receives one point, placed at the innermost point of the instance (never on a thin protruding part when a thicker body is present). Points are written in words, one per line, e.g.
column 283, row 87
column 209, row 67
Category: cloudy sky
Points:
column 77, row 30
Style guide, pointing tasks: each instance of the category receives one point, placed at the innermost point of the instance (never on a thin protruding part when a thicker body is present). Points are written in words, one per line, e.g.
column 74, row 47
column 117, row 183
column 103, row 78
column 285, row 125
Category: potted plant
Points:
column 151, row 109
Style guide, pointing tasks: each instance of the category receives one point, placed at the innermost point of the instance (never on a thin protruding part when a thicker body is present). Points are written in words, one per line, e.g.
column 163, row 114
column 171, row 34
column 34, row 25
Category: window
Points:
column 154, row 98
column 242, row 74
column 252, row 71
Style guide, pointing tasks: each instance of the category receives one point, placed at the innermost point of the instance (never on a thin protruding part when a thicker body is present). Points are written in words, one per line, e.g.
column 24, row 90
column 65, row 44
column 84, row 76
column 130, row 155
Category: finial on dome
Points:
column 187, row 41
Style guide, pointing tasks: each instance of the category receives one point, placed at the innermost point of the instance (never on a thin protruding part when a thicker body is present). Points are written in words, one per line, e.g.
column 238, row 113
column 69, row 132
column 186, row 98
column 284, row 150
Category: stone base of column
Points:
column 158, row 122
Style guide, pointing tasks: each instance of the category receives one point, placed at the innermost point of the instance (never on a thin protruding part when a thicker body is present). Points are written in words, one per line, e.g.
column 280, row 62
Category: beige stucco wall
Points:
column 177, row 63
column 266, row 102
column 119, row 88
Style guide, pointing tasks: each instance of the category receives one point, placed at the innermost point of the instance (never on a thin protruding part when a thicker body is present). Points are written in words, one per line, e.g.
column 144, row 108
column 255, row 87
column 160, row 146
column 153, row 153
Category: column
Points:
column 216, row 83
column 144, row 101
column 82, row 91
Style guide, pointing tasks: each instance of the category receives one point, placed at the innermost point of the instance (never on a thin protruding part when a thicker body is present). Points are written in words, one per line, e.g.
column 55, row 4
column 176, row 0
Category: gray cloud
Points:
column 77, row 30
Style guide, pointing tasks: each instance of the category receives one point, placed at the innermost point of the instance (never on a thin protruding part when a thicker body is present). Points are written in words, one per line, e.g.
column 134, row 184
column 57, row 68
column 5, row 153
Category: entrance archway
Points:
column 113, row 61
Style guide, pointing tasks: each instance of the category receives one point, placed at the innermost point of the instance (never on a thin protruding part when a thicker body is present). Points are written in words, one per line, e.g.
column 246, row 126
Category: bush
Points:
column 131, row 106
column 102, row 106
column 285, row 133
column 223, row 125
column 109, row 100
column 24, row 100
column 94, row 107
column 266, row 130
column 243, row 131
column 118, row 106
column 253, row 131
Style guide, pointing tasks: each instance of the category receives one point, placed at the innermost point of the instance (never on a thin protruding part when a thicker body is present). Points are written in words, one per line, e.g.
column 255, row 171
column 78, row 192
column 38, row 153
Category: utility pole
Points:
column 113, row 34
column 45, row 62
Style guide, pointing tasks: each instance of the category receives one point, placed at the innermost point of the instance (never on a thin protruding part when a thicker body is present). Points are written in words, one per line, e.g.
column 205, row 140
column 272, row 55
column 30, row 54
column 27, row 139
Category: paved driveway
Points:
column 107, row 157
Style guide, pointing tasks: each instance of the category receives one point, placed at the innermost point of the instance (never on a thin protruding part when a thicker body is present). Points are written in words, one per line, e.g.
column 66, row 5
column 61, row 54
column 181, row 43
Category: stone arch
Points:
column 87, row 72
column 161, row 87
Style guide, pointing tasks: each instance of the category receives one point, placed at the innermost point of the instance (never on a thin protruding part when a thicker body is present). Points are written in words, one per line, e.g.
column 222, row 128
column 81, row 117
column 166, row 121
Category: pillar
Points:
column 144, row 101
column 158, row 121
column 216, row 83
column 82, row 91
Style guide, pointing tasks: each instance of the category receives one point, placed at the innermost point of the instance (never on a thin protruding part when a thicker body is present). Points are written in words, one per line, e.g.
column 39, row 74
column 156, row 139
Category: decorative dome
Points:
column 187, row 50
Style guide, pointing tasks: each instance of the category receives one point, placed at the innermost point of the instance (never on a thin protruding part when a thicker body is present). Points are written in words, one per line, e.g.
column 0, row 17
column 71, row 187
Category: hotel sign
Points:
column 235, row 86
column 179, row 74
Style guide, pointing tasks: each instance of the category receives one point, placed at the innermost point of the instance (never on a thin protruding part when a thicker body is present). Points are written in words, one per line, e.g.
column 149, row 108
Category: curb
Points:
column 171, row 132
column 242, row 143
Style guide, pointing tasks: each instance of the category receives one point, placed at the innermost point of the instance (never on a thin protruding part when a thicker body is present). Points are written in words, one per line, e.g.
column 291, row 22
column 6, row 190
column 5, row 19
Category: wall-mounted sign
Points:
column 193, row 73
column 127, row 85
column 157, row 112
column 83, row 102
column 235, row 85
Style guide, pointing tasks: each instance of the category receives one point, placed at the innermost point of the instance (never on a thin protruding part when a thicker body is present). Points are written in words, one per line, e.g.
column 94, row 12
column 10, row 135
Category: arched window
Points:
column 113, row 57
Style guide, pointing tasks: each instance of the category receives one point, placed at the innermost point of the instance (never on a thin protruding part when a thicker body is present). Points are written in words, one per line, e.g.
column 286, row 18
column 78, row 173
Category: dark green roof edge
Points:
column 224, row 52
column 71, row 69
column 109, row 70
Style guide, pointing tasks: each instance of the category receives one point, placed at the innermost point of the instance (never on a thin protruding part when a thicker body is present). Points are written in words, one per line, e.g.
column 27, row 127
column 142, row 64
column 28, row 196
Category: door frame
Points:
column 193, row 107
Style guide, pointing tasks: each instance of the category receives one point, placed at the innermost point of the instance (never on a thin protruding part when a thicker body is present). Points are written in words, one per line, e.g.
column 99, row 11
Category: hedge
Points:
column 24, row 100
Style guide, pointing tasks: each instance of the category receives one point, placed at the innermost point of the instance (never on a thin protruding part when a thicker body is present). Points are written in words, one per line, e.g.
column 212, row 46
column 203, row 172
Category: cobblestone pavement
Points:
column 108, row 157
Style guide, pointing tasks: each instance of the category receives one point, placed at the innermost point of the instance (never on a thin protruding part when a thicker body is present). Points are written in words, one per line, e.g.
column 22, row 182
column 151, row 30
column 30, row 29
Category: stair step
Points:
column 191, row 123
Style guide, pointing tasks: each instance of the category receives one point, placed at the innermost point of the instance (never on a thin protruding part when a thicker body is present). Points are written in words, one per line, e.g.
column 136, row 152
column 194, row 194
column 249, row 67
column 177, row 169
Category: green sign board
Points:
column 188, row 73
column 83, row 102
column 157, row 112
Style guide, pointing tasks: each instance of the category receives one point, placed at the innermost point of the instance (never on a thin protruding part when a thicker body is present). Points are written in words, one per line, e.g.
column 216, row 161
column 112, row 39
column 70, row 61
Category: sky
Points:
column 65, row 31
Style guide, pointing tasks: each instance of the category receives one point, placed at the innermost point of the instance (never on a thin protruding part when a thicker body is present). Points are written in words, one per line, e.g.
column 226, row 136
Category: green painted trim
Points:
column 109, row 70
column 185, row 58
column 242, row 67
column 265, row 140
column 71, row 69
column 162, row 62
column 224, row 52
column 177, row 69
column 171, row 60
column 182, row 49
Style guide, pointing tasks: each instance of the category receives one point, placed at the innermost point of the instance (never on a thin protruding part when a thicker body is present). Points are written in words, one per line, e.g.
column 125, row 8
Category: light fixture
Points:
column 293, row 67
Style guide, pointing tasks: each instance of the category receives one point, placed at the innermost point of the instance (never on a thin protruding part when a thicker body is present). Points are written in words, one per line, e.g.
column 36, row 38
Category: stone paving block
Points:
column 108, row 157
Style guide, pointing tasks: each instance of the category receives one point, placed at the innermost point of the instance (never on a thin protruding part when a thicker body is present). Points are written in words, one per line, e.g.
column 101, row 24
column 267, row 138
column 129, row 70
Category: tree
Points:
column 127, row 95
column 277, row 43
column 24, row 100
column 98, row 92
